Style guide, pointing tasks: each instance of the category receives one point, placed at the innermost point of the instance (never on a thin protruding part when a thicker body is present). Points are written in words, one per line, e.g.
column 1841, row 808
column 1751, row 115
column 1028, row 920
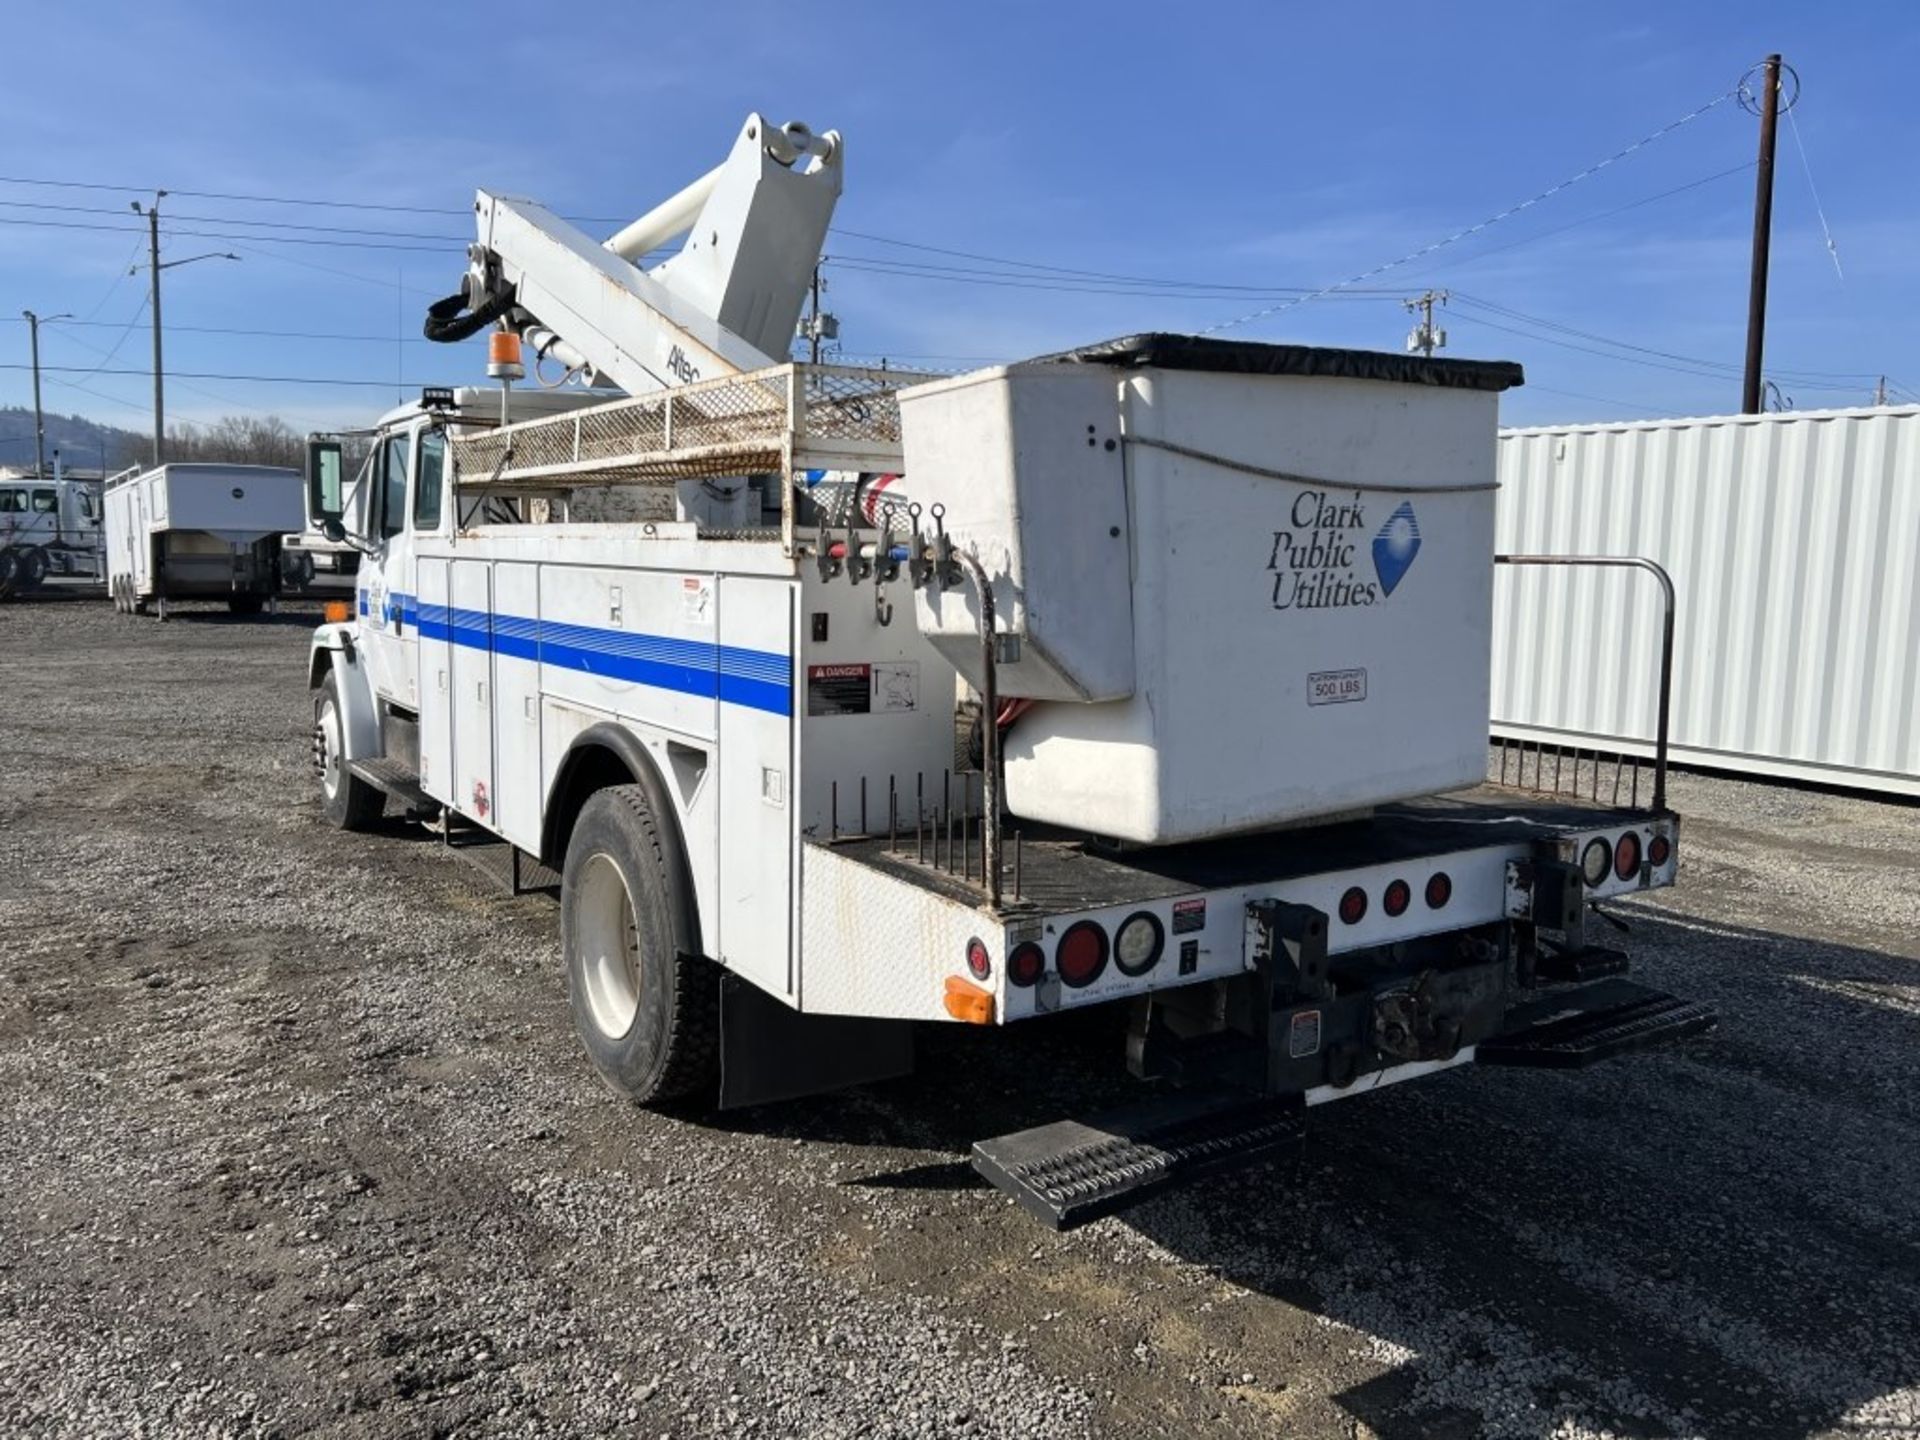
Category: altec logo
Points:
column 1314, row 562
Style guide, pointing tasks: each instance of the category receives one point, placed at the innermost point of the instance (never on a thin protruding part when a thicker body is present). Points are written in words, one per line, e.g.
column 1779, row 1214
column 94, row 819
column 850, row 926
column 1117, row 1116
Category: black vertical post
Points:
column 1762, row 236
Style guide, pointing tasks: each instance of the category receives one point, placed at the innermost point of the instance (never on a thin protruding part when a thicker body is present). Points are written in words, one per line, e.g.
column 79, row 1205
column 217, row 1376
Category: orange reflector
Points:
column 336, row 612
column 967, row 1001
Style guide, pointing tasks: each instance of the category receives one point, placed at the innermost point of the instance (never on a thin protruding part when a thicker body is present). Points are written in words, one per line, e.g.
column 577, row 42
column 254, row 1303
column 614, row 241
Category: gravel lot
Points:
column 295, row 1138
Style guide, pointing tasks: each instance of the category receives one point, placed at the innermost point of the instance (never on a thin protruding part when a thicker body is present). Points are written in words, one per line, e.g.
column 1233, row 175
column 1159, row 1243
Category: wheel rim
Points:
column 609, row 946
column 329, row 729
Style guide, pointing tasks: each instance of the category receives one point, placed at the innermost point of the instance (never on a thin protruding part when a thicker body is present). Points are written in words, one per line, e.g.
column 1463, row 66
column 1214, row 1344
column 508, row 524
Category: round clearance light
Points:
column 1081, row 954
column 1659, row 850
column 1398, row 896
column 1626, row 856
column 1353, row 906
column 979, row 962
column 1026, row 964
column 1595, row 859
column 1439, row 889
column 1138, row 943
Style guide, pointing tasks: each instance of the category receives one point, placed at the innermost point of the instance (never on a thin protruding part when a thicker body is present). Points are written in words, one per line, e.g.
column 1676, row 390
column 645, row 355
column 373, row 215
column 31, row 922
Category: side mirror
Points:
column 325, row 484
column 335, row 532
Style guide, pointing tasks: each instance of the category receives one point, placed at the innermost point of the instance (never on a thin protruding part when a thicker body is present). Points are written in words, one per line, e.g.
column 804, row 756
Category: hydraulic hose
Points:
column 446, row 324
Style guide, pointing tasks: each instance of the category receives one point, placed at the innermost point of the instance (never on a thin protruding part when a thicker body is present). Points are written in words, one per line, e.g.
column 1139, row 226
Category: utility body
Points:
column 198, row 531
column 1166, row 690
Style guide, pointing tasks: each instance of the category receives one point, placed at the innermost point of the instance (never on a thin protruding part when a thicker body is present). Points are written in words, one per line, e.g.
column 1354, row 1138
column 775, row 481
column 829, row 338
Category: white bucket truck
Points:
column 1206, row 624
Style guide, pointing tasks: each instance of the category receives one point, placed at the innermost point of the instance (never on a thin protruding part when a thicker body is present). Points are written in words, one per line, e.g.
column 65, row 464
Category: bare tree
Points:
column 234, row 439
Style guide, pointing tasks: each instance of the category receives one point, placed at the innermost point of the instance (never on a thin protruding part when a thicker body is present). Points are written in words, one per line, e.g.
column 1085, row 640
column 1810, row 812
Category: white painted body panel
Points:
column 1234, row 620
column 1793, row 541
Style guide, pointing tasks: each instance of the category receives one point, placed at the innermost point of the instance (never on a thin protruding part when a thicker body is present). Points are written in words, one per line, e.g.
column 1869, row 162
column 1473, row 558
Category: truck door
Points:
column 389, row 610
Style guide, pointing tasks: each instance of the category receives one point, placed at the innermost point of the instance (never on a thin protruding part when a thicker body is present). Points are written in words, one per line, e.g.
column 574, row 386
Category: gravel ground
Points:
column 295, row 1138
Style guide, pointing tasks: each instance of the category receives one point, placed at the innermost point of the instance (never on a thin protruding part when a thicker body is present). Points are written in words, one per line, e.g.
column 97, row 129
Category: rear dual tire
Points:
column 647, row 1011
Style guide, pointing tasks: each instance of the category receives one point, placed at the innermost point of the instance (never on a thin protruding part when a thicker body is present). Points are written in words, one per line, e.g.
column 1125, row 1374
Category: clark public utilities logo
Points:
column 1315, row 561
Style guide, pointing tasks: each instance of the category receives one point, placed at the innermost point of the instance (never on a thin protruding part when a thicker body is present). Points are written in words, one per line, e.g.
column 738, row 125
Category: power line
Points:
column 1479, row 255
column 1491, row 220
column 1797, row 376
column 210, row 375
column 909, row 271
column 232, row 330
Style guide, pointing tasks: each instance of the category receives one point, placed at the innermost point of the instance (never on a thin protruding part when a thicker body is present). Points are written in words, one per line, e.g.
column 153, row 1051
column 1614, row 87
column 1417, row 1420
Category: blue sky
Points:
column 1245, row 145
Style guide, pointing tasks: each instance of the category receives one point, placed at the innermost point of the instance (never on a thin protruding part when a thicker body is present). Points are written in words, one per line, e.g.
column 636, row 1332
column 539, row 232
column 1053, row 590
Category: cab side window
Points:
column 13, row 502
column 393, row 485
column 45, row 502
column 429, row 484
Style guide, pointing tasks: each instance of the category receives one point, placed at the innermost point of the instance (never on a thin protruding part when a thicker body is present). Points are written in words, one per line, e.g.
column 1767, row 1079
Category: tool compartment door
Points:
column 516, row 709
column 436, row 681
column 756, row 782
column 471, row 631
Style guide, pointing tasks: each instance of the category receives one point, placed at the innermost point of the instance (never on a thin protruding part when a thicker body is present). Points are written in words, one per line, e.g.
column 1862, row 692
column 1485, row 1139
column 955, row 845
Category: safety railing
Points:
column 1663, row 705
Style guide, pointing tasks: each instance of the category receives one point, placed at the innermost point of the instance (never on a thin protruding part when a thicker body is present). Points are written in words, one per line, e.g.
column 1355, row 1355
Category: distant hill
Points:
column 78, row 439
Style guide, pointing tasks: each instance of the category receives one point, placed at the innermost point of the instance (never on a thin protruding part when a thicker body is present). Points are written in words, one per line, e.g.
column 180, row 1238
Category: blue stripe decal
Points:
column 757, row 679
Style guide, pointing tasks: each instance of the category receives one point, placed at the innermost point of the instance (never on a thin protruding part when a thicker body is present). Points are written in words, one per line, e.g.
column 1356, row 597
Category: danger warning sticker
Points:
column 839, row 689
column 888, row 687
column 1188, row 916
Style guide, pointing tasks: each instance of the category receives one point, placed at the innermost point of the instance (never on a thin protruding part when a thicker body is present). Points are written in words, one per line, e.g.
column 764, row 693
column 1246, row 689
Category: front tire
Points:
column 349, row 802
column 648, row 1013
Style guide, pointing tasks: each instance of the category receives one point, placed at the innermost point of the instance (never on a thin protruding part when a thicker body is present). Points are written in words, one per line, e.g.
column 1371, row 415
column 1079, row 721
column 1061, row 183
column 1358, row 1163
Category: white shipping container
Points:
column 1793, row 541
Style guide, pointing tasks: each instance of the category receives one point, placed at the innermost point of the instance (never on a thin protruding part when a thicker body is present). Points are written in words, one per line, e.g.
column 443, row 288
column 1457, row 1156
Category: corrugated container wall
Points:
column 1794, row 545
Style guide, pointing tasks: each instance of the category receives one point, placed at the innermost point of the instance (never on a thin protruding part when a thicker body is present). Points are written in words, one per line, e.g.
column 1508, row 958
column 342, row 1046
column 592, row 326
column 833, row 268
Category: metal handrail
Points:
column 1635, row 562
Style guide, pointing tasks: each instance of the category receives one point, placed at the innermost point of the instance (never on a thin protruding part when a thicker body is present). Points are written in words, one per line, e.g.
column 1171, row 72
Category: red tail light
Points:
column 1626, row 855
column 1081, row 954
column 1398, row 896
column 1659, row 850
column 1026, row 964
column 979, row 962
column 1439, row 889
column 1353, row 906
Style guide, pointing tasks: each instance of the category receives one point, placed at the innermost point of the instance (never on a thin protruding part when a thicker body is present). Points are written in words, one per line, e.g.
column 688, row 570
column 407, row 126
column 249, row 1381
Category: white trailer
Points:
column 47, row 527
column 199, row 531
column 1168, row 690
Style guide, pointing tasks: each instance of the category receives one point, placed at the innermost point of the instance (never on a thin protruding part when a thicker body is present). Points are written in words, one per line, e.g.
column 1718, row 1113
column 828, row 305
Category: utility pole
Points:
column 39, row 420
column 817, row 325
column 1880, row 392
column 154, row 267
column 152, row 213
column 1423, row 337
column 1769, row 103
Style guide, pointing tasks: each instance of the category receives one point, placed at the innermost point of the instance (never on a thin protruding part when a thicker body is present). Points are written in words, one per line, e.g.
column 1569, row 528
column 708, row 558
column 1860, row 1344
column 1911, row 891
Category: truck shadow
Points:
column 1723, row 1238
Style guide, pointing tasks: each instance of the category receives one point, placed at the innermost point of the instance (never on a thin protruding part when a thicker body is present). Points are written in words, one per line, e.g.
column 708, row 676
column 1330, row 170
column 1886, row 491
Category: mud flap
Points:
column 770, row 1051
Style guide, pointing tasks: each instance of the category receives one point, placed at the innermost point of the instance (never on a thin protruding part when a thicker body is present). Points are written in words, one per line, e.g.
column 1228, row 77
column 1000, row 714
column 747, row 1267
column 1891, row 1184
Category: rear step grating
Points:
column 1071, row 1171
column 1649, row 1019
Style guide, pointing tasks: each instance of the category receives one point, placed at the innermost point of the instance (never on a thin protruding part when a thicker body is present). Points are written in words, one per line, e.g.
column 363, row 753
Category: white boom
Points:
column 726, row 302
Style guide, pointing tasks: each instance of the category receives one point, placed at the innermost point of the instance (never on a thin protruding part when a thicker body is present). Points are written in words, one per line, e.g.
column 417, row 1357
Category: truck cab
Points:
column 47, row 527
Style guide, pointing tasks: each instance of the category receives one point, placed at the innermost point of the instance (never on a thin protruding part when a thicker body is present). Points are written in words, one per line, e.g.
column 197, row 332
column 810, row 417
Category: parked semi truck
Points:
column 1166, row 691
column 47, row 527
column 198, row 531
